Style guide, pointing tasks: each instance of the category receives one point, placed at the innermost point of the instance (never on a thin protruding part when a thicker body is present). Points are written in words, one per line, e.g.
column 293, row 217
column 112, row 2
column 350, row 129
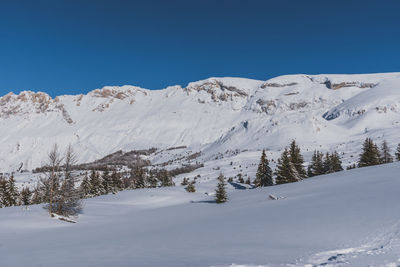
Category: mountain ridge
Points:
column 212, row 115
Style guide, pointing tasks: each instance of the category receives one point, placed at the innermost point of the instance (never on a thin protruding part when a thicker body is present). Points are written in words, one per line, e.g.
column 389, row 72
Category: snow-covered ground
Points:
column 350, row 218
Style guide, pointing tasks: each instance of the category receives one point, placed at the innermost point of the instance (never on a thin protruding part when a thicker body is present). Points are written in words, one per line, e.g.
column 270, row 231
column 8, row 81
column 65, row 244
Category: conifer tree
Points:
column 25, row 196
column 191, row 188
column 285, row 170
column 69, row 199
column 335, row 162
column 240, row 179
column 85, row 187
column 37, row 195
column 221, row 195
column 3, row 201
column 264, row 172
column 96, row 184
column 386, row 157
column 185, row 181
column 297, row 159
column 316, row 166
column 398, row 152
column 152, row 180
column 166, row 179
column 370, row 154
column 107, row 182
column 138, row 178
column 117, row 182
column 11, row 193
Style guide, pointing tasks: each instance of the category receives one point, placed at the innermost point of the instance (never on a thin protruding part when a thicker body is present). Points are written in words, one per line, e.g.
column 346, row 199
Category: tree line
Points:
column 290, row 166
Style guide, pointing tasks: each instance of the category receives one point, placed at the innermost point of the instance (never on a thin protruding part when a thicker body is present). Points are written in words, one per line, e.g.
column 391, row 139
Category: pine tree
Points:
column 285, row 170
column 107, row 182
column 335, row 162
column 316, row 166
column 297, row 159
column 191, row 188
column 11, row 193
column 185, row 181
column 117, row 182
column 25, row 196
column 370, row 155
column 85, row 187
column 166, row 179
column 221, row 195
column 398, row 152
column 69, row 198
column 3, row 201
column 138, row 178
column 386, row 156
column 152, row 180
column 96, row 184
column 37, row 196
column 240, row 178
column 264, row 172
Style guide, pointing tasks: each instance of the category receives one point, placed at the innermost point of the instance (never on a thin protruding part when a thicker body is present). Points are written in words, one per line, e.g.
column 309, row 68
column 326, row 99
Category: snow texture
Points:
column 349, row 218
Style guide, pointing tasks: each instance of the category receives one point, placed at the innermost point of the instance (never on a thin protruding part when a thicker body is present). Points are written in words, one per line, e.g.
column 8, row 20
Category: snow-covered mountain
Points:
column 234, row 117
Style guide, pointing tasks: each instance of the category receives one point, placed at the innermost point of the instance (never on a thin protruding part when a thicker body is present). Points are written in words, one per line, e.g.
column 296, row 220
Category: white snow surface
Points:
column 350, row 218
column 214, row 116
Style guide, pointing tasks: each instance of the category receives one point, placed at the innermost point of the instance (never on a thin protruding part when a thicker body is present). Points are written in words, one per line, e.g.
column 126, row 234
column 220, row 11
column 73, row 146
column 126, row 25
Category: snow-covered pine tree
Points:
column 152, row 180
column 107, row 182
column 220, row 193
column 25, row 196
column 96, row 184
column 11, row 194
column 240, row 178
column 117, row 182
column 297, row 159
column 386, row 156
column 85, row 187
column 316, row 166
column 37, row 194
column 3, row 182
column 191, row 188
column 370, row 154
column 138, row 178
column 264, row 172
column 166, row 179
column 398, row 152
column 285, row 170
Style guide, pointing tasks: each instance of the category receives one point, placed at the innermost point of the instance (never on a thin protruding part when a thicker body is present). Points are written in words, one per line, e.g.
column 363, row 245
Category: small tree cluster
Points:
column 324, row 164
column 98, row 184
column 370, row 154
column 290, row 167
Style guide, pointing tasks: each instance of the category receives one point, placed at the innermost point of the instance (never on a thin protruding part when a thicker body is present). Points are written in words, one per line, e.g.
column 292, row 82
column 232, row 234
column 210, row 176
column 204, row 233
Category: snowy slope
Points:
column 349, row 218
column 212, row 116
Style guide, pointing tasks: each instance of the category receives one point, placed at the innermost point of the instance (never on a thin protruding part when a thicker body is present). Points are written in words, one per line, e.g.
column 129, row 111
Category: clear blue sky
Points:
column 68, row 47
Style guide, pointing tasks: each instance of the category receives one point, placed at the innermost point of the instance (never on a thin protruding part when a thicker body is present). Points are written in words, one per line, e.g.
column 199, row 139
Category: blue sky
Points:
column 70, row 47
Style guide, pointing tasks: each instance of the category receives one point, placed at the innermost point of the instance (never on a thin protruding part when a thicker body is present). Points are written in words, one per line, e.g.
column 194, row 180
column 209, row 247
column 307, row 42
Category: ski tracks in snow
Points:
column 382, row 250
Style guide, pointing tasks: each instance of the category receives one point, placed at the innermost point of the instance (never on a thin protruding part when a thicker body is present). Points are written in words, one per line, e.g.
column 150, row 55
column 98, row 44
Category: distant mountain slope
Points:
column 213, row 116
